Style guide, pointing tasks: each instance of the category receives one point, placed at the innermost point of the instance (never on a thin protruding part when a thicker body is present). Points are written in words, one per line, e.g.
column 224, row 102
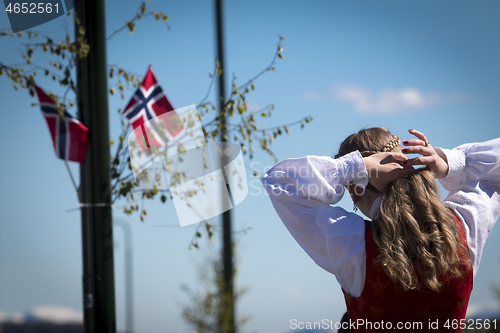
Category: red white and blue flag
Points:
column 69, row 136
column 151, row 114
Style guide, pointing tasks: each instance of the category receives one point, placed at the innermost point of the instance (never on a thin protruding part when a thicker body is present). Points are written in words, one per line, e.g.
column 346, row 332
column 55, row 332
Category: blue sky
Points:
column 428, row 65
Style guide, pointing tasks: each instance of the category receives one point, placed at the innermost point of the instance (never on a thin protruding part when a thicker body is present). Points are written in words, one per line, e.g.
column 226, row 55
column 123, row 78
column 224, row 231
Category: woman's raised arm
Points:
column 301, row 191
column 473, row 182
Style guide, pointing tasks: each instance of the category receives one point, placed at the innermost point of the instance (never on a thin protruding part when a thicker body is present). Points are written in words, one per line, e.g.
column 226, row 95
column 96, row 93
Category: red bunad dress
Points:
column 385, row 306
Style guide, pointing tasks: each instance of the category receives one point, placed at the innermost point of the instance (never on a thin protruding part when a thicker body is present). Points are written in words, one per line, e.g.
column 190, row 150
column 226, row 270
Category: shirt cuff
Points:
column 456, row 161
column 355, row 169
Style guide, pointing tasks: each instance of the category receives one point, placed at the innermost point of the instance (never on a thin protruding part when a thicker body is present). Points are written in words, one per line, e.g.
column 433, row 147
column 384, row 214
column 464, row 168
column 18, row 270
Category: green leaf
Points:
column 131, row 26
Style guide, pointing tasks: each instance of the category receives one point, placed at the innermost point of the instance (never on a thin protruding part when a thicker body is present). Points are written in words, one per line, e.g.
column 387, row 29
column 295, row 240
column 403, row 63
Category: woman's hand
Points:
column 436, row 163
column 384, row 168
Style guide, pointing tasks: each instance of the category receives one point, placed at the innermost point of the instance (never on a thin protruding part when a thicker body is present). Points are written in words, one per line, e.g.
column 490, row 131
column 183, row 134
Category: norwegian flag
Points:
column 151, row 114
column 69, row 136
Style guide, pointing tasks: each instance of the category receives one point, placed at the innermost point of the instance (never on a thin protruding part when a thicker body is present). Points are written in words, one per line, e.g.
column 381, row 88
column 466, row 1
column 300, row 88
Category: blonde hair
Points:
column 417, row 237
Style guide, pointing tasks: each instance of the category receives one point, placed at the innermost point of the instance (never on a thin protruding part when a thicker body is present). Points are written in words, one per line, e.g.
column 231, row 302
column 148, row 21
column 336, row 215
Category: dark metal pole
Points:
column 227, row 322
column 95, row 181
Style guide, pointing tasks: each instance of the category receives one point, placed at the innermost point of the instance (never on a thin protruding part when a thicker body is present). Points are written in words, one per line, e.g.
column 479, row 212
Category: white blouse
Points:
column 302, row 190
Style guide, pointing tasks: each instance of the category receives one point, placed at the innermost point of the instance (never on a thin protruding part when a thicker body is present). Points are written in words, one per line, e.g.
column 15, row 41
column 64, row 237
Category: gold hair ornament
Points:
column 392, row 144
column 388, row 147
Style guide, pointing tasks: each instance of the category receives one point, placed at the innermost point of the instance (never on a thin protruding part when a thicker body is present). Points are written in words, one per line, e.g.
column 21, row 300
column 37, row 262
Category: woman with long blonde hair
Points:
column 414, row 262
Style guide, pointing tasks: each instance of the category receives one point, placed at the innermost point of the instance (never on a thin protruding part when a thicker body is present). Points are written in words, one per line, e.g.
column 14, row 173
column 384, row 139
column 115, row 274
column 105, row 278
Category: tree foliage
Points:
column 234, row 121
column 206, row 311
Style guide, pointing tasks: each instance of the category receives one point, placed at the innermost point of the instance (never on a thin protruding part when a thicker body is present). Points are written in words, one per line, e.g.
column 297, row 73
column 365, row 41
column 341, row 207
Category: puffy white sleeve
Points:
column 474, row 184
column 301, row 191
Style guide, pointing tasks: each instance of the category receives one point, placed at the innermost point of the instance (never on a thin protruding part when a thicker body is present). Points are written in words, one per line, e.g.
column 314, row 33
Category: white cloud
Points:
column 55, row 314
column 389, row 101
column 483, row 310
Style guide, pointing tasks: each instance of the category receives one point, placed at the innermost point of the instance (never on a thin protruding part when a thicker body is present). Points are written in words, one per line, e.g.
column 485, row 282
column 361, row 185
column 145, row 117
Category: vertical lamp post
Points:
column 129, row 290
column 95, row 180
column 227, row 322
